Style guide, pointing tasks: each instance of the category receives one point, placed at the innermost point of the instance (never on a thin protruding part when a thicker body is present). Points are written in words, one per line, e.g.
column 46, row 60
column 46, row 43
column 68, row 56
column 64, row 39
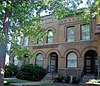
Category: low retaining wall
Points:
column 69, row 71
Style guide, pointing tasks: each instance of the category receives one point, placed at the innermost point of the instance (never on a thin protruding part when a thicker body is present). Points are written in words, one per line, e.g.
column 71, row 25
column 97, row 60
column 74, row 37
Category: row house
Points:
column 70, row 47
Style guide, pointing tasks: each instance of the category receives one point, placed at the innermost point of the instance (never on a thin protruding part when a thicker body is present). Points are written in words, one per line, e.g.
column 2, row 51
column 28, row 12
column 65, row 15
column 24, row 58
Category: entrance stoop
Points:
column 88, row 77
column 49, row 77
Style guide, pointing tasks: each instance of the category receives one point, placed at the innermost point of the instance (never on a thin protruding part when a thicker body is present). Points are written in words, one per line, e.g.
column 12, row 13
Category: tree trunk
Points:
column 3, row 45
column 2, row 57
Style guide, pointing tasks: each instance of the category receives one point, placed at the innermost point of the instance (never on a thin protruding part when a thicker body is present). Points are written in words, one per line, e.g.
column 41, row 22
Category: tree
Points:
column 23, row 17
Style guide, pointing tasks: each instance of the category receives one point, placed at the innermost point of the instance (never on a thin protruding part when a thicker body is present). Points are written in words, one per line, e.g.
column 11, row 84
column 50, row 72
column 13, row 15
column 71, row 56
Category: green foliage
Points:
column 59, row 79
column 25, row 18
column 10, row 70
column 62, row 8
column 76, row 80
column 93, row 81
column 67, row 79
column 31, row 72
column 21, row 52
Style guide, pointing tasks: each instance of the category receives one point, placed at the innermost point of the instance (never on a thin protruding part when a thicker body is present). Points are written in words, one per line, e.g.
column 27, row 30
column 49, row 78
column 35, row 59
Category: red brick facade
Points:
column 62, row 48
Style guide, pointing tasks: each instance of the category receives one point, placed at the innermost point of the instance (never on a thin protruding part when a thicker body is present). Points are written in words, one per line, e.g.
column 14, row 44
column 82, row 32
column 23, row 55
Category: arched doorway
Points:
column 90, row 62
column 53, row 62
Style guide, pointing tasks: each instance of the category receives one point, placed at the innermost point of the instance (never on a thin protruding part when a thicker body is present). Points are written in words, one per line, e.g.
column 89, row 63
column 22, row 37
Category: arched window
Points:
column 50, row 37
column 39, row 60
column 15, row 60
column 72, row 60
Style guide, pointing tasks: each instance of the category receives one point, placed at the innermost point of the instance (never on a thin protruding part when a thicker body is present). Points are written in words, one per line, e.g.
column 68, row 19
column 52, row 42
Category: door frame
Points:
column 90, row 56
column 55, row 58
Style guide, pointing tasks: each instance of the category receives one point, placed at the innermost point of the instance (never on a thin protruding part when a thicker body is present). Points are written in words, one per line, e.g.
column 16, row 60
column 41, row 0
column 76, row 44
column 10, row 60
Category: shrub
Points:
column 67, row 79
column 93, row 81
column 75, row 80
column 31, row 72
column 59, row 79
column 10, row 70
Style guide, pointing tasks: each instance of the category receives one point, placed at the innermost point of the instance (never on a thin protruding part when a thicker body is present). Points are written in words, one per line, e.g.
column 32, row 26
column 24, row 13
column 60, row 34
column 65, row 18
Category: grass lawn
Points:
column 6, row 82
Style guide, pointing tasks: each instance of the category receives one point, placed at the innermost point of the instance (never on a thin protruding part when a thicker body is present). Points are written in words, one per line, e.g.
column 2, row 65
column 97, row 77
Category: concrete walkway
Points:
column 26, row 83
column 38, row 82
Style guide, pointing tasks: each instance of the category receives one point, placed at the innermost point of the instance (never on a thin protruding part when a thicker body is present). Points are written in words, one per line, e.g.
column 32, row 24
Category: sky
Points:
column 81, row 6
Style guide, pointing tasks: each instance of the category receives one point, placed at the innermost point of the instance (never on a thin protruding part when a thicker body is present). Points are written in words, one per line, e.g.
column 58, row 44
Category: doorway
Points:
column 90, row 62
column 53, row 67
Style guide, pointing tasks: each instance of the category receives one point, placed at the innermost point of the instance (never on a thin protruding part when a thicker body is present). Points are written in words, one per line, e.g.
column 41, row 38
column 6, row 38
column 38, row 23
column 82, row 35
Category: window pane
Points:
column 18, row 40
column 25, row 41
column 15, row 60
column 50, row 37
column 70, row 34
column 39, row 60
column 85, row 32
column 39, row 42
column 72, row 60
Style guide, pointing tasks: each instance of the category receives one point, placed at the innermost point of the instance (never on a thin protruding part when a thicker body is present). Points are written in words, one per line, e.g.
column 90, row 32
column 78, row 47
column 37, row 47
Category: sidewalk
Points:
column 39, row 82
column 26, row 83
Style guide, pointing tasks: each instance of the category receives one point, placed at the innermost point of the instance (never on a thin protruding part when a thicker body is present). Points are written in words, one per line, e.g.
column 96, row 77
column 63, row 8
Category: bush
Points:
column 75, row 80
column 10, row 70
column 59, row 79
column 31, row 72
column 67, row 79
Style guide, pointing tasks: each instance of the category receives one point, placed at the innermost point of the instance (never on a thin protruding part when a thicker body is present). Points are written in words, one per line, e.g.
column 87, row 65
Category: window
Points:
column 15, row 60
column 39, row 42
column 39, row 60
column 72, row 60
column 85, row 32
column 50, row 37
column 18, row 40
column 25, row 59
column 70, row 34
column 25, row 41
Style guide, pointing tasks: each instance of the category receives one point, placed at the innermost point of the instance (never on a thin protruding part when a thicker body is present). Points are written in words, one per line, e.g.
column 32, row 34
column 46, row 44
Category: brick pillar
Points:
column 98, row 40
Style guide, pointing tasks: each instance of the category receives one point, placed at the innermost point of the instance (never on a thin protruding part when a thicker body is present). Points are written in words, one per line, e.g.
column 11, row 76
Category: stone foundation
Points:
column 69, row 71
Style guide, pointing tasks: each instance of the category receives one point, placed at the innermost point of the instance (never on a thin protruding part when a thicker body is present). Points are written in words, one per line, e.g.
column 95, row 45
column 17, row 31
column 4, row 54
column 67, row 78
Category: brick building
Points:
column 70, row 47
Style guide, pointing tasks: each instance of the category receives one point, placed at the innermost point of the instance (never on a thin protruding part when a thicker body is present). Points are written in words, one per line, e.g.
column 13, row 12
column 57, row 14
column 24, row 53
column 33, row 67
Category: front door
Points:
column 90, row 58
column 53, row 62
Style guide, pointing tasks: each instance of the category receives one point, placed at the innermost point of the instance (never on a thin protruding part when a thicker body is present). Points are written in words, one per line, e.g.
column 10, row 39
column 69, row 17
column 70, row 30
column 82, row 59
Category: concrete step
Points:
column 87, row 77
column 49, row 77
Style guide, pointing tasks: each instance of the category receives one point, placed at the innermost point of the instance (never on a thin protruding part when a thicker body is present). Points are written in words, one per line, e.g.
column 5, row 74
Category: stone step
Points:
column 87, row 77
column 49, row 77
